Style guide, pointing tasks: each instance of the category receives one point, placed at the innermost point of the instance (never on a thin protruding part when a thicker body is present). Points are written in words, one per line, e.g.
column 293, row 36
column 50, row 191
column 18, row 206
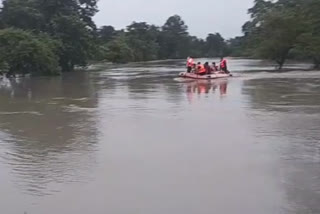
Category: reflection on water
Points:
column 147, row 142
column 206, row 87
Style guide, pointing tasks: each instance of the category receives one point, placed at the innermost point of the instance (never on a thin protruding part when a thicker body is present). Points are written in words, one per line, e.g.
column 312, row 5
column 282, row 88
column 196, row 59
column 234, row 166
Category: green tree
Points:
column 68, row 21
column 196, row 47
column 71, row 22
column 309, row 45
column 215, row 45
column 281, row 29
column 142, row 39
column 274, row 29
column 279, row 34
column 173, row 38
column 106, row 34
column 22, row 14
column 24, row 52
column 83, row 9
column 237, row 46
column 309, row 42
column 257, row 14
column 118, row 50
column 78, row 43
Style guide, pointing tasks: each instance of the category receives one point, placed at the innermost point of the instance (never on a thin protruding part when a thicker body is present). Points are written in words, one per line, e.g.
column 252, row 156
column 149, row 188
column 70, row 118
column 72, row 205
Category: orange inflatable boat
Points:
column 207, row 76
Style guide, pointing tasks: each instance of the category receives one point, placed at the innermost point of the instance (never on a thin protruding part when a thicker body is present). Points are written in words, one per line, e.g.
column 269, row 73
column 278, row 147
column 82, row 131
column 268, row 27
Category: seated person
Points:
column 194, row 68
column 214, row 67
column 207, row 67
column 201, row 70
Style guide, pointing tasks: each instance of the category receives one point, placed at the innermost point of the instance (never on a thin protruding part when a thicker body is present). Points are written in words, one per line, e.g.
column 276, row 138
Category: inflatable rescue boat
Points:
column 204, row 77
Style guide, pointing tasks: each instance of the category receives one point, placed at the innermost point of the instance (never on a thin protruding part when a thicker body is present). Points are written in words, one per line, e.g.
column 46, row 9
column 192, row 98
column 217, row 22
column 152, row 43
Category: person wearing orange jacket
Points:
column 201, row 70
column 190, row 63
column 223, row 65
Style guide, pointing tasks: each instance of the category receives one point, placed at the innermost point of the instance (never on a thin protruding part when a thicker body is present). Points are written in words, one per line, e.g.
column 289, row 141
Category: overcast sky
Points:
column 202, row 16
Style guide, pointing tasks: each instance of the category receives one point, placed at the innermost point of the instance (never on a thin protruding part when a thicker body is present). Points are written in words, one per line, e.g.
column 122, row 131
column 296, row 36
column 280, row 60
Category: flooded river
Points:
column 149, row 143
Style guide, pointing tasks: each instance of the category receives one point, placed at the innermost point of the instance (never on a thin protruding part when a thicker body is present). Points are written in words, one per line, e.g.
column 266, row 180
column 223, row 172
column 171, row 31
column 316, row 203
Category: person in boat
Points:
column 214, row 67
column 207, row 67
column 194, row 68
column 201, row 70
column 190, row 62
column 223, row 65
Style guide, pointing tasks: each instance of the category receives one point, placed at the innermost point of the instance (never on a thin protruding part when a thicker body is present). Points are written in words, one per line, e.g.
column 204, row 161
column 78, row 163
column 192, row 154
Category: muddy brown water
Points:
column 150, row 143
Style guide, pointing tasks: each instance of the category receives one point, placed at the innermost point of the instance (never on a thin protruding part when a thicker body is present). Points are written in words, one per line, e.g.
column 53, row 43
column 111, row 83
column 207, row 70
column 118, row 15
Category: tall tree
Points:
column 215, row 45
column 257, row 14
column 279, row 34
column 23, row 14
column 84, row 9
column 142, row 38
column 196, row 47
column 274, row 29
column 69, row 21
column 309, row 42
column 106, row 34
column 173, row 38
column 237, row 46
column 77, row 41
column 118, row 50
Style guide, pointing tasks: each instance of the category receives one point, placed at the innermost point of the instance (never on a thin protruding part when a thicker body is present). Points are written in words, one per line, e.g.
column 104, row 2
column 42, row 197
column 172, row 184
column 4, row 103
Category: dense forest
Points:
column 47, row 37
column 143, row 42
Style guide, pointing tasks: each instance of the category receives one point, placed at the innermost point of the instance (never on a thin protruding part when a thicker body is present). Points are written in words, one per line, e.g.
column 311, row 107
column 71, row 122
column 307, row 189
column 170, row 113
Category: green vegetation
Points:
column 47, row 37
column 142, row 42
column 25, row 52
column 281, row 29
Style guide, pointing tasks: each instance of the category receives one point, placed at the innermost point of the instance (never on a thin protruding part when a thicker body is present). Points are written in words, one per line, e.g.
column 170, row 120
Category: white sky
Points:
column 202, row 16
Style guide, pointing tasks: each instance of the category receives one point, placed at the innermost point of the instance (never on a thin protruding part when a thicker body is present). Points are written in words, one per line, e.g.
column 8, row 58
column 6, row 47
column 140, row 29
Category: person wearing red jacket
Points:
column 223, row 65
column 201, row 70
column 190, row 63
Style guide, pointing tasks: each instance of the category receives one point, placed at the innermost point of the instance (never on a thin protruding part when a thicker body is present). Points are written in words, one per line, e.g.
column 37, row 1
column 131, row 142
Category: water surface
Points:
column 150, row 143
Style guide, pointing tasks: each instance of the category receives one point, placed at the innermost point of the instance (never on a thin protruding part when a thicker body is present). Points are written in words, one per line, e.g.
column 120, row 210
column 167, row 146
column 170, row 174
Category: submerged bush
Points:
column 24, row 52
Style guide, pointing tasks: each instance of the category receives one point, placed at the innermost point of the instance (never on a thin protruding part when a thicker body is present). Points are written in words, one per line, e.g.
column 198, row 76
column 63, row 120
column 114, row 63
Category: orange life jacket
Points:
column 201, row 69
column 223, row 63
column 190, row 62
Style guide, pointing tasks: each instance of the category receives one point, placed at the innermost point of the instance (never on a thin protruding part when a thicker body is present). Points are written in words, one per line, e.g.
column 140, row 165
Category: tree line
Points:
column 141, row 41
column 279, row 30
column 47, row 37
